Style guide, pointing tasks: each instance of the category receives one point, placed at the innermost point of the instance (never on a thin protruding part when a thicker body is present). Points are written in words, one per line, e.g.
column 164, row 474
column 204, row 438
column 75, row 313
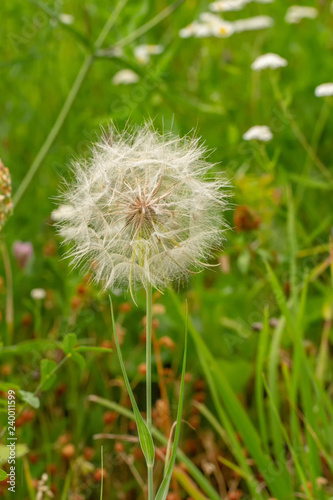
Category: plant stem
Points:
column 149, row 318
column 89, row 59
column 297, row 131
column 9, row 294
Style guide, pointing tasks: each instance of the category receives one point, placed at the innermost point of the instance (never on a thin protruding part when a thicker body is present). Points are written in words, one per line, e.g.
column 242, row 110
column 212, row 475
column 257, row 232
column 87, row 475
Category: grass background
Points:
column 281, row 213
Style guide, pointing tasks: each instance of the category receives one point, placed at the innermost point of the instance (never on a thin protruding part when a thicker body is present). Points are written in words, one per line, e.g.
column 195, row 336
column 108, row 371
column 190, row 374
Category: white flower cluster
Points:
column 211, row 25
column 233, row 5
column 268, row 61
column 258, row 133
column 141, row 209
column 324, row 90
column 296, row 13
column 208, row 25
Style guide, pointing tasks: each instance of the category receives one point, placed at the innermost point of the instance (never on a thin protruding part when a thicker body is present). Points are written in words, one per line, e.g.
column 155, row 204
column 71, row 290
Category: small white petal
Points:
column 324, row 90
column 38, row 293
column 125, row 77
column 253, row 23
column 270, row 60
column 258, row 133
column 296, row 13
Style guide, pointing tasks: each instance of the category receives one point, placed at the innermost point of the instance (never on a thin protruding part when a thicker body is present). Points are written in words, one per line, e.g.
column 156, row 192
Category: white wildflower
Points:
column 142, row 53
column 270, row 60
column 66, row 18
column 142, row 211
column 227, row 5
column 43, row 491
column 60, row 212
column 38, row 294
column 296, row 13
column 209, row 25
column 195, row 29
column 324, row 90
column 125, row 77
column 253, row 23
column 258, row 133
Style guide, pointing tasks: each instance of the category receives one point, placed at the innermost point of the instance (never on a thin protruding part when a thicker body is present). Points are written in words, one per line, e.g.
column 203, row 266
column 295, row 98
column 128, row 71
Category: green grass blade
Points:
column 298, row 467
column 146, row 441
column 239, row 416
column 259, row 391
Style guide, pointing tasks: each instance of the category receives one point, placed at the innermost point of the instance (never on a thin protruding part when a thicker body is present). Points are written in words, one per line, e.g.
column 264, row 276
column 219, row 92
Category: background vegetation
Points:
column 258, row 396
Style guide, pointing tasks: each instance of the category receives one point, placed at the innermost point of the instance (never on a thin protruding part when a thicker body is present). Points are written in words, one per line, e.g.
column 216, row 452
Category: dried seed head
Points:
column 6, row 204
column 141, row 209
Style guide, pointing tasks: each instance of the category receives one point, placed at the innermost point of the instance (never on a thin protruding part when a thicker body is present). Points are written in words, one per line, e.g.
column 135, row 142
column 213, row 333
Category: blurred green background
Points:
column 281, row 210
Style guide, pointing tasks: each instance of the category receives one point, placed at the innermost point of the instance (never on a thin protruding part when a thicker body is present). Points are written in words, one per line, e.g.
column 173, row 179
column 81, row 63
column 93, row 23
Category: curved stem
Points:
column 149, row 317
column 67, row 104
column 297, row 131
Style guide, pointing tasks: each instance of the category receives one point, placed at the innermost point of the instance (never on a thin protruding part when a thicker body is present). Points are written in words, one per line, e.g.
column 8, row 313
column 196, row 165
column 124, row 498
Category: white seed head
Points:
column 324, row 90
column 142, row 210
column 268, row 61
column 258, row 133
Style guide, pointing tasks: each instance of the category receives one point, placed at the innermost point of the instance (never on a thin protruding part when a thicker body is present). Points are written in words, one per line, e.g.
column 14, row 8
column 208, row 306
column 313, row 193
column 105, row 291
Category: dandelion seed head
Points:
column 324, row 90
column 258, row 133
column 142, row 211
column 268, row 61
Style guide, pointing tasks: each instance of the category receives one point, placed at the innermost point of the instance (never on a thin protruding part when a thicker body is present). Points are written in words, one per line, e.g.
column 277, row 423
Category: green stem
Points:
column 9, row 294
column 89, row 59
column 149, row 303
column 297, row 131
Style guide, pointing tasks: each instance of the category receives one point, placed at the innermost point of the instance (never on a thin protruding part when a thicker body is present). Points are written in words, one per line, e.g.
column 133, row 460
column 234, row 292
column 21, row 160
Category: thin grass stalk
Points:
column 9, row 294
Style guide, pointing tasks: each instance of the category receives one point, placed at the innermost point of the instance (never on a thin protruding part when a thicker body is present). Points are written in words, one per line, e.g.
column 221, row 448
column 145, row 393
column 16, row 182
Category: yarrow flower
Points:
column 253, row 23
column 258, row 133
column 270, row 60
column 324, row 90
column 228, row 5
column 38, row 293
column 142, row 53
column 209, row 25
column 6, row 204
column 125, row 77
column 296, row 13
column 142, row 212
column 233, row 5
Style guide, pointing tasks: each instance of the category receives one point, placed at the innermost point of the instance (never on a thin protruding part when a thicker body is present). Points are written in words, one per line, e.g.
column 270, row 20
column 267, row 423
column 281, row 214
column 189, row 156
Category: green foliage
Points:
column 259, row 359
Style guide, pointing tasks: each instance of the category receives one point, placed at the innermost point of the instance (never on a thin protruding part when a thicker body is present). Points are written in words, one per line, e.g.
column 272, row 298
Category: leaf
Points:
column 237, row 413
column 69, row 343
column 3, row 475
column 79, row 360
column 47, row 367
column 164, row 488
column 146, row 441
column 85, row 348
column 195, row 473
column 20, row 451
column 30, row 398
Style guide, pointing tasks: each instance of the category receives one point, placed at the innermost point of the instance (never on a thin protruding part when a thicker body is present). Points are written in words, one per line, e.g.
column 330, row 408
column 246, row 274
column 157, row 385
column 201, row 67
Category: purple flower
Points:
column 22, row 251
